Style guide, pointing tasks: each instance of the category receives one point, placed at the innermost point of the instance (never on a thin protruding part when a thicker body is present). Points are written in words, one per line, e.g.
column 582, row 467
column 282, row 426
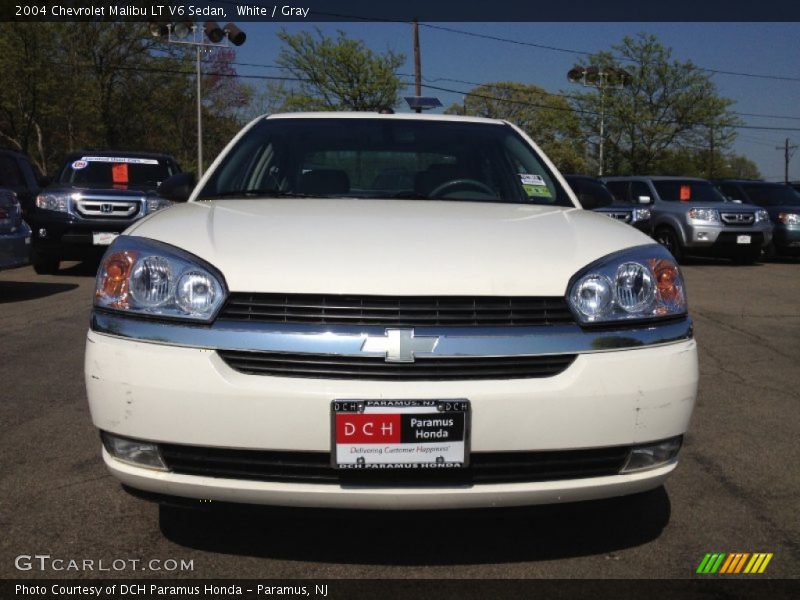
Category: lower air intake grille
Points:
column 315, row 467
column 323, row 366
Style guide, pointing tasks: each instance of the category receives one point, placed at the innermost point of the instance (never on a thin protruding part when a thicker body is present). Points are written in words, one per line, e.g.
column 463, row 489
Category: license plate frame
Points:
column 397, row 452
column 744, row 239
column 103, row 238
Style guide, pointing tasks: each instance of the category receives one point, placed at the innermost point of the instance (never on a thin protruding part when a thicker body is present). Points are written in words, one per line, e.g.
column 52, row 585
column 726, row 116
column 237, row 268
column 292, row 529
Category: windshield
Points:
column 690, row 192
column 772, row 195
column 384, row 158
column 116, row 171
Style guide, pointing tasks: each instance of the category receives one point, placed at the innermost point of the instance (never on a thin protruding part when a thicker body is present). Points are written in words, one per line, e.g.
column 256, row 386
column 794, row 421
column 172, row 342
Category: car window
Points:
column 10, row 174
column 619, row 189
column 385, row 158
column 772, row 195
column 731, row 192
column 116, row 171
column 639, row 189
column 591, row 194
column 688, row 191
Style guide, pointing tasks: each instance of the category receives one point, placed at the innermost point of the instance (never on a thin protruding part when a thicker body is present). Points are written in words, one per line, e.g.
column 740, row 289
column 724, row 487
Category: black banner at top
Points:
column 406, row 10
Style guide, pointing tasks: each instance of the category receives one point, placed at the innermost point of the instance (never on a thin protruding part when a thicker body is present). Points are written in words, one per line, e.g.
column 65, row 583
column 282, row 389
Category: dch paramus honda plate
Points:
column 387, row 311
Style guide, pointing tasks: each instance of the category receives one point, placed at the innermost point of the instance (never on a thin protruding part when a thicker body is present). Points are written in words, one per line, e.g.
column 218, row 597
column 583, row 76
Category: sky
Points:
column 755, row 48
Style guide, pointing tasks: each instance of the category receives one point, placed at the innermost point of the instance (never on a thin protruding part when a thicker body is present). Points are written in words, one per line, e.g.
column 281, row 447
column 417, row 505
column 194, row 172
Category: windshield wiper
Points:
column 259, row 193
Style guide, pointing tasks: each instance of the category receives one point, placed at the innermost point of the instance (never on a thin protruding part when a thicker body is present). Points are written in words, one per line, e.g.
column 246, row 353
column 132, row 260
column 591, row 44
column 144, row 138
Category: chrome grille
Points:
column 107, row 208
column 335, row 366
column 406, row 311
column 738, row 218
column 315, row 467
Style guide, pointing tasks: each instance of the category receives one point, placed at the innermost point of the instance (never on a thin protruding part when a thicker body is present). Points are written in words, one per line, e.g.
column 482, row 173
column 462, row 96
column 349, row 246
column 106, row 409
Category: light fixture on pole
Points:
column 601, row 78
column 178, row 33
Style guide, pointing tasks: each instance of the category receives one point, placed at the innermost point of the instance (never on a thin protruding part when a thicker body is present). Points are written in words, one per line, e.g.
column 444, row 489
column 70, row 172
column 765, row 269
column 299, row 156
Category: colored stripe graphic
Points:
column 734, row 563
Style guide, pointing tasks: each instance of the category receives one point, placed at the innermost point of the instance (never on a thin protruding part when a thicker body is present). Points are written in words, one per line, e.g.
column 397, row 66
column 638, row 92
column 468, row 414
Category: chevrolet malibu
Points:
column 357, row 310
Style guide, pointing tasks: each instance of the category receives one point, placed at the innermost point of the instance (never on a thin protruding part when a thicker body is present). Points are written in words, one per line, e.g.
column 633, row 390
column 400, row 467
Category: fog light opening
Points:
column 651, row 456
column 134, row 452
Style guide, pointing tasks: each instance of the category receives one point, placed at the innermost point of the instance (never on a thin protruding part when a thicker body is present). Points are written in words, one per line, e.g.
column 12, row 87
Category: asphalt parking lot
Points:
column 735, row 490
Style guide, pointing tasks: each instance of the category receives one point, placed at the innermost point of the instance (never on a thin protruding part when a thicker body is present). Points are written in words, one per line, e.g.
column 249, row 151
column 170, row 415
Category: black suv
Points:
column 595, row 196
column 781, row 201
column 21, row 177
column 95, row 196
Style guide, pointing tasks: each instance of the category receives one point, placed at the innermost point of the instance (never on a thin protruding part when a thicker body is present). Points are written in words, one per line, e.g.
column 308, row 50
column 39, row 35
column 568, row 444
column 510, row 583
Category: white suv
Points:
column 387, row 311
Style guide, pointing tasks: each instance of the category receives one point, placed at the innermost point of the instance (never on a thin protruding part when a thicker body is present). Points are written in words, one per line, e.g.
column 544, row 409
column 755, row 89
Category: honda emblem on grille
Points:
column 106, row 208
column 399, row 345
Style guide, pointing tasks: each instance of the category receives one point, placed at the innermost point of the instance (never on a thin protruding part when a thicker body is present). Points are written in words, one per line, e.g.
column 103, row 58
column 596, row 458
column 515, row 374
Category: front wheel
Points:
column 668, row 239
column 44, row 263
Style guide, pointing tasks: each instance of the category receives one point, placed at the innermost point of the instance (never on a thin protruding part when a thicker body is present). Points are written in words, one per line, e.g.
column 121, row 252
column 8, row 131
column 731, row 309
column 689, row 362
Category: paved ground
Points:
column 737, row 488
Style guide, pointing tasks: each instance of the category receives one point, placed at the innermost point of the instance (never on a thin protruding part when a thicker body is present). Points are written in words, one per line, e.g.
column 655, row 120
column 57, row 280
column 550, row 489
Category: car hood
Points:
column 395, row 247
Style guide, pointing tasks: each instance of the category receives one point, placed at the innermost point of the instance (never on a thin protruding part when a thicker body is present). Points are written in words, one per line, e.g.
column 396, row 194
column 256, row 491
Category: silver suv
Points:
column 690, row 216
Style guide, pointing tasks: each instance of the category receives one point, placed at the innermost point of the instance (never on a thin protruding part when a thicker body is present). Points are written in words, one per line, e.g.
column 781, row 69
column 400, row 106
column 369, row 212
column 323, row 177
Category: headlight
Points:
column 56, row 201
column 762, row 216
column 641, row 214
column 789, row 218
column 704, row 214
column 146, row 277
column 640, row 283
column 155, row 203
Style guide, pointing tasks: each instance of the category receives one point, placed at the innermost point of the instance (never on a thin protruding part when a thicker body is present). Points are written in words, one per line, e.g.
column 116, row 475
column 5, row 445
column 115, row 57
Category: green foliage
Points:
column 701, row 163
column 113, row 86
column 668, row 105
column 546, row 118
column 335, row 74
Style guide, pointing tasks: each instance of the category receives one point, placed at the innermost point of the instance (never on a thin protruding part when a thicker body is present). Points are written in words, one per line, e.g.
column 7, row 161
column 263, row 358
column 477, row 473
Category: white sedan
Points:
column 361, row 310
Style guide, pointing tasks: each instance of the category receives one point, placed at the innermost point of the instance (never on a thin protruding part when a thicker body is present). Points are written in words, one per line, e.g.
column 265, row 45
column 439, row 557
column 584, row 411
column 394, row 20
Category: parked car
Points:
column 15, row 235
column 690, row 216
column 96, row 196
column 594, row 195
column 782, row 203
column 292, row 335
column 20, row 176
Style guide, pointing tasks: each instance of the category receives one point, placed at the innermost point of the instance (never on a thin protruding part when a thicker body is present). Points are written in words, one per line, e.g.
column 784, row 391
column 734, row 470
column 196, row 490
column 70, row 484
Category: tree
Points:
column 336, row 74
column 668, row 104
column 113, row 86
column 689, row 162
column 545, row 117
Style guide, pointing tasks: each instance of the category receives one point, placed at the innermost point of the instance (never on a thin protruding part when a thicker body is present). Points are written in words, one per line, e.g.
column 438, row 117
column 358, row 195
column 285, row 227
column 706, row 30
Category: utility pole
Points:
column 711, row 153
column 417, row 62
column 788, row 152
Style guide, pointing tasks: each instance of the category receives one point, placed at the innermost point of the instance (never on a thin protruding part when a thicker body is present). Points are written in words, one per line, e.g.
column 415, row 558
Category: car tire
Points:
column 45, row 264
column 667, row 238
column 769, row 252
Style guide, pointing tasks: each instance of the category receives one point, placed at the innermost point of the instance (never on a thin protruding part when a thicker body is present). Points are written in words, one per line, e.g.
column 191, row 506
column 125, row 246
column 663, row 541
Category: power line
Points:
column 587, row 53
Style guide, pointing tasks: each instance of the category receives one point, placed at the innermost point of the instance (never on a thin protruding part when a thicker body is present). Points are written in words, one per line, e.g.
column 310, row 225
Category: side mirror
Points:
column 177, row 188
column 644, row 200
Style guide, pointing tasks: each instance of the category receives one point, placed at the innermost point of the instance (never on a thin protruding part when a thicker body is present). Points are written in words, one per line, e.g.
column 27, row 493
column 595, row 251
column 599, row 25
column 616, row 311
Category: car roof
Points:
column 390, row 117
column 122, row 153
column 750, row 182
column 652, row 178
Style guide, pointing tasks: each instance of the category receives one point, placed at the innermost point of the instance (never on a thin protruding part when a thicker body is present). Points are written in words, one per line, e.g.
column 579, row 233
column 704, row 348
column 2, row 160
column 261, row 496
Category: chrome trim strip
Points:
column 349, row 340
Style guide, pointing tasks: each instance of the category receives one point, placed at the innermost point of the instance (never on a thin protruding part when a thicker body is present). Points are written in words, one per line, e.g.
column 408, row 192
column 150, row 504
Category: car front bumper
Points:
column 787, row 238
column 189, row 396
column 15, row 248
column 716, row 239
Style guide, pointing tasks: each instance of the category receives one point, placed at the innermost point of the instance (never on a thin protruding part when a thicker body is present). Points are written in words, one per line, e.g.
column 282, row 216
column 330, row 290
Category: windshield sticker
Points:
column 531, row 179
column 686, row 193
column 119, row 173
column 120, row 159
column 79, row 164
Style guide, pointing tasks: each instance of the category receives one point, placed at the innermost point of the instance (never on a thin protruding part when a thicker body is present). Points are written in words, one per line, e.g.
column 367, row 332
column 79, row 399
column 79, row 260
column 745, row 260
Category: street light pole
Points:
column 177, row 33
column 199, row 119
column 600, row 78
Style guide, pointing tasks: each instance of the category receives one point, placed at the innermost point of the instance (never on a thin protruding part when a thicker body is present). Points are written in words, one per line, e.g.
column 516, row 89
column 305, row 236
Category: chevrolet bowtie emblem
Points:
column 399, row 345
